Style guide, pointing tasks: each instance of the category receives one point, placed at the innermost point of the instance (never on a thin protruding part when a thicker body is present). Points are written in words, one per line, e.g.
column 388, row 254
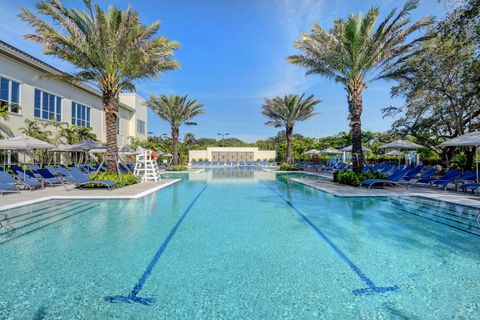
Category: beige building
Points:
column 47, row 99
column 231, row 154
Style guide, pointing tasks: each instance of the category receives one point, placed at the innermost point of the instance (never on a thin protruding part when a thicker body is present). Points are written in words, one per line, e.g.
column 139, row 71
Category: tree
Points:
column 4, row 129
column 72, row 134
column 440, row 84
column 189, row 138
column 37, row 129
column 354, row 54
column 109, row 48
column 286, row 112
column 177, row 111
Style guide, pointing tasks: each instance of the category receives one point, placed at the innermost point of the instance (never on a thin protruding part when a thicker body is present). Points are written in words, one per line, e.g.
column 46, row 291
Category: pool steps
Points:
column 22, row 221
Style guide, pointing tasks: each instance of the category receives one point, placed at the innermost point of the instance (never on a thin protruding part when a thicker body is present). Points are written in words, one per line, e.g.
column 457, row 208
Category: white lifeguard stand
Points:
column 146, row 166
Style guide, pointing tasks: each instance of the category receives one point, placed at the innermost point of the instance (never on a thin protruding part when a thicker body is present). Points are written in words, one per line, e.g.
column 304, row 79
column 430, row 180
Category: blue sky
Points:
column 233, row 54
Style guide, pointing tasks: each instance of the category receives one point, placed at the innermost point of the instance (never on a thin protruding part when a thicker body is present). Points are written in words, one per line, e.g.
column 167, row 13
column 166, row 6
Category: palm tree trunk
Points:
column 110, row 105
column 175, row 134
column 355, row 105
column 288, row 134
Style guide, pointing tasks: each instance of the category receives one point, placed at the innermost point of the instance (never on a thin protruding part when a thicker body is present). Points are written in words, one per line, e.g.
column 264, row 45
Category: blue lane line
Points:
column 133, row 295
column 372, row 288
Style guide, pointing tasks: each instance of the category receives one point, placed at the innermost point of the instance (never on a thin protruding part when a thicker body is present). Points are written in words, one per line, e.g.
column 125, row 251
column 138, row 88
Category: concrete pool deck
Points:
column 26, row 197
column 326, row 184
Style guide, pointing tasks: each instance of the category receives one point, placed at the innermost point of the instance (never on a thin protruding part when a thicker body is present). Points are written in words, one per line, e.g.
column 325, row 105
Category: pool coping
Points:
column 88, row 197
column 436, row 195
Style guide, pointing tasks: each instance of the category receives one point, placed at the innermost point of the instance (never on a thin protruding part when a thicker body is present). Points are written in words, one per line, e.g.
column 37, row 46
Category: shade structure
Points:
column 86, row 145
column 401, row 144
column 126, row 150
column 330, row 151
column 61, row 148
column 24, row 143
column 467, row 140
column 471, row 139
column 311, row 152
column 349, row 149
column 395, row 153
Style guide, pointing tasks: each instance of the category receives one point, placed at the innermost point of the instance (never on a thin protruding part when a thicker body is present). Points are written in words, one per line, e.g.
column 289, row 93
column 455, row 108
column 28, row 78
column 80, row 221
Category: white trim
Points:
column 118, row 197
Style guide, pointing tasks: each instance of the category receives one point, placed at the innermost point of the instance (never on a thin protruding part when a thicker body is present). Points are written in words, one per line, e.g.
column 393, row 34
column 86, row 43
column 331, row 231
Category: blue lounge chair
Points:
column 426, row 175
column 49, row 178
column 392, row 180
column 470, row 186
column 6, row 178
column 82, row 179
column 445, row 179
column 412, row 173
column 8, row 187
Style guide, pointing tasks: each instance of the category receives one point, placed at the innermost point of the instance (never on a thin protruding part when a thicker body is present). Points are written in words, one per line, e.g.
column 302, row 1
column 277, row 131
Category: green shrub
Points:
column 127, row 178
column 288, row 167
column 354, row 179
column 177, row 168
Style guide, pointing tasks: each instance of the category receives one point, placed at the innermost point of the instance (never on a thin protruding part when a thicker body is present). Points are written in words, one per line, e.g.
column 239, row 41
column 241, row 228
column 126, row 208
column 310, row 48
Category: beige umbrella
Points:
column 471, row 139
column 330, row 151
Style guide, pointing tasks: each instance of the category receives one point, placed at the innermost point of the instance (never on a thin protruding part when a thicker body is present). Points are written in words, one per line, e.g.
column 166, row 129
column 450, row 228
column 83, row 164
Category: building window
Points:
column 80, row 115
column 140, row 126
column 10, row 94
column 47, row 106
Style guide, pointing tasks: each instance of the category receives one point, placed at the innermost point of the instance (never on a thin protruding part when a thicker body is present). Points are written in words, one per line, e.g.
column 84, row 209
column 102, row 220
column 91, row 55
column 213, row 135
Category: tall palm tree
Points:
column 177, row 111
column 355, row 54
column 109, row 48
column 286, row 112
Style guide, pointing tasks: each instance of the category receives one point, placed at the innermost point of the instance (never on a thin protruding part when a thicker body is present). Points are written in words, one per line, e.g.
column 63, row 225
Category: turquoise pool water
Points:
column 240, row 244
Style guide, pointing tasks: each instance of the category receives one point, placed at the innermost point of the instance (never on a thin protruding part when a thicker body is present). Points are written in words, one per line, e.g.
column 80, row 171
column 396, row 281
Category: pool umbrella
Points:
column 349, row 149
column 330, row 151
column 24, row 143
column 311, row 152
column 401, row 145
column 395, row 153
column 471, row 139
column 86, row 145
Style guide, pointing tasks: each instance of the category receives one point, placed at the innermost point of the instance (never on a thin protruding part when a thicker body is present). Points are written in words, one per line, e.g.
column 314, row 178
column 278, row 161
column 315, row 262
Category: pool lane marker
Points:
column 133, row 295
column 371, row 287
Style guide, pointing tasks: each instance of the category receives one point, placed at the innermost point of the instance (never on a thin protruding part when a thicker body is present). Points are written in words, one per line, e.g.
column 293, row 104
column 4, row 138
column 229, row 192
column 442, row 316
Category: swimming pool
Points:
column 240, row 244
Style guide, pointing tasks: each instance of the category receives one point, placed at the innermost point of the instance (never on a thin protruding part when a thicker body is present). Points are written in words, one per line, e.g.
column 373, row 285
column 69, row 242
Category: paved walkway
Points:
column 25, row 197
column 326, row 184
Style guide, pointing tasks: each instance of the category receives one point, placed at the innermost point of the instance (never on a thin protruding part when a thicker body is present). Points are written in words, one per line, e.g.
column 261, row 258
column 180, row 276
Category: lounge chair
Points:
column 448, row 177
column 8, row 188
column 470, row 186
column 82, row 179
column 412, row 173
column 393, row 179
column 49, row 178
column 426, row 175
column 6, row 178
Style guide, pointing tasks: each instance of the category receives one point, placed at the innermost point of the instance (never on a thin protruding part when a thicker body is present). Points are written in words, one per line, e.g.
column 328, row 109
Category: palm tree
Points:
column 4, row 129
column 37, row 129
column 286, row 112
column 109, row 48
column 189, row 138
column 73, row 134
column 177, row 111
column 354, row 54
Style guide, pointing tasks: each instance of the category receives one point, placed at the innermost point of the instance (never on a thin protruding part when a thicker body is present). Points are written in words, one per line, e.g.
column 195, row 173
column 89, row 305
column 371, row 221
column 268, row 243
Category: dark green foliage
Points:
column 354, row 179
column 288, row 167
column 177, row 168
column 127, row 178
